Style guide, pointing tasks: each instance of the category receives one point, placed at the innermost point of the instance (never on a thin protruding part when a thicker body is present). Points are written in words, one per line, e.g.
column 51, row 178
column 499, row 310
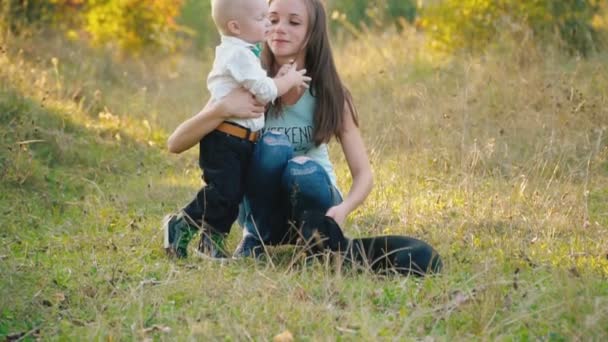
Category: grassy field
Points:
column 499, row 161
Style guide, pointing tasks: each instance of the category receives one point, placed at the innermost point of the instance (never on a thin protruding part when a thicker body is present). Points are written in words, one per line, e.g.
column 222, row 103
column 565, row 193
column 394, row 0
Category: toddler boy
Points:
column 225, row 152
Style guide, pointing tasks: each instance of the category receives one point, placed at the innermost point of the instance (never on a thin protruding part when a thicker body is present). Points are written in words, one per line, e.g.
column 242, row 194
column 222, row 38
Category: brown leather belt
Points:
column 238, row 131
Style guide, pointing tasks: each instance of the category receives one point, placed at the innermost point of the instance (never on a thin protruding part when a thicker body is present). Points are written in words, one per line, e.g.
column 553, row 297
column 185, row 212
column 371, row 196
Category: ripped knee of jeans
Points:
column 273, row 138
column 302, row 165
column 300, row 159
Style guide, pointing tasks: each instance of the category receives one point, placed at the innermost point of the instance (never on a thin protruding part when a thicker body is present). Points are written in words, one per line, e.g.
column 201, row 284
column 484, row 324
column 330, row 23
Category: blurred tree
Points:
column 130, row 24
column 402, row 9
column 354, row 10
column 473, row 24
column 379, row 13
column 18, row 14
column 133, row 24
column 196, row 16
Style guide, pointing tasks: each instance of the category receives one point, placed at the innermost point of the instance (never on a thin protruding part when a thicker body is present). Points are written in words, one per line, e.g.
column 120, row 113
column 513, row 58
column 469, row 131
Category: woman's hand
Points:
column 360, row 169
column 338, row 213
column 240, row 103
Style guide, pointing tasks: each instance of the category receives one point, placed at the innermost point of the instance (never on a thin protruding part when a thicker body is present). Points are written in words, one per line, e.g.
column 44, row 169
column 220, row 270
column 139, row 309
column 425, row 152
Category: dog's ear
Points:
column 337, row 241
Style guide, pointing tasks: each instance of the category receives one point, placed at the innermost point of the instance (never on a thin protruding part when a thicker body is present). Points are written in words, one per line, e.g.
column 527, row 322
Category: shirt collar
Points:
column 234, row 41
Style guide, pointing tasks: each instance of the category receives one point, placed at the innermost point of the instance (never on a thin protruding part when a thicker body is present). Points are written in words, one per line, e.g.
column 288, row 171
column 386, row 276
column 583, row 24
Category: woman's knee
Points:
column 302, row 167
column 273, row 150
column 305, row 176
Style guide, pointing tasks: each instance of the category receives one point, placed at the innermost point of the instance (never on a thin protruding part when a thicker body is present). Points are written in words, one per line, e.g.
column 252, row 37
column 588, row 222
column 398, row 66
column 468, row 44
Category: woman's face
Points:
column 289, row 26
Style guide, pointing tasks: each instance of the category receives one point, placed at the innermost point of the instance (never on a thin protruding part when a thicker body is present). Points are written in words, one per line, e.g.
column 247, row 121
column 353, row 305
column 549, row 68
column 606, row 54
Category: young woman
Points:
column 290, row 170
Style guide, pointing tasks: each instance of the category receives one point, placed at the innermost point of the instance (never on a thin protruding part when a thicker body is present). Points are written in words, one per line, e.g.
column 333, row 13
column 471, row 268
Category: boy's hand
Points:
column 297, row 78
column 285, row 68
column 288, row 77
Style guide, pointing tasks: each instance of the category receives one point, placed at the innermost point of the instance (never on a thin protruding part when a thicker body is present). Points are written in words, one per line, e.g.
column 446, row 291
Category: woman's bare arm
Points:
column 360, row 169
column 238, row 103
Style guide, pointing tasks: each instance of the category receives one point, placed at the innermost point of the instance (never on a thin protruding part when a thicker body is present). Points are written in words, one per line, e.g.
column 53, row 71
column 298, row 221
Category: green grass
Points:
column 500, row 162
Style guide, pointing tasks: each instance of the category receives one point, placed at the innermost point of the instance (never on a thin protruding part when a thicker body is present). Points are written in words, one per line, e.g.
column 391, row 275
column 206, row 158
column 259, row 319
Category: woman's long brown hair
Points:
column 325, row 84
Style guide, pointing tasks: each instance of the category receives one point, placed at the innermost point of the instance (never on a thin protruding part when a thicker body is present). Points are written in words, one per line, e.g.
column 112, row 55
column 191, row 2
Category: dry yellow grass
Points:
column 500, row 161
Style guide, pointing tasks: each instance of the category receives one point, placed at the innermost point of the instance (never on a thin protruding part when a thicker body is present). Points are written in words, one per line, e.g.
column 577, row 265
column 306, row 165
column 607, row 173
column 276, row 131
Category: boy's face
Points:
column 254, row 23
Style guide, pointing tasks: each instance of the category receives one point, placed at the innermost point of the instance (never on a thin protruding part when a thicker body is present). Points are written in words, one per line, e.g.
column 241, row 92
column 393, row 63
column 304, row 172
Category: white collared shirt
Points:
column 235, row 65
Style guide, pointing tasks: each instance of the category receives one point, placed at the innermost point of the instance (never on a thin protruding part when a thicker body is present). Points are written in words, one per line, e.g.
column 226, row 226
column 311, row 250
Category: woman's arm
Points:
column 238, row 103
column 359, row 166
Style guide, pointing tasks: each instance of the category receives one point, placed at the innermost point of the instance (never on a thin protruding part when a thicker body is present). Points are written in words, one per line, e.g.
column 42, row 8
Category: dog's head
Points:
column 321, row 232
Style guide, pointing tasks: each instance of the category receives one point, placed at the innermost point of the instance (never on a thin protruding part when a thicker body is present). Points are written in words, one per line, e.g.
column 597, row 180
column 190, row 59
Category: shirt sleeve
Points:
column 246, row 70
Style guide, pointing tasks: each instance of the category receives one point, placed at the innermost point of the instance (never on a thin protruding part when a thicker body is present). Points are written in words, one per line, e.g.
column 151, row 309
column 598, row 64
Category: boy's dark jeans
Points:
column 224, row 160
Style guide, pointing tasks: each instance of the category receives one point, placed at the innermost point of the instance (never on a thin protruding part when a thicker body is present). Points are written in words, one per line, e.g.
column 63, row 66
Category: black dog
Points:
column 383, row 254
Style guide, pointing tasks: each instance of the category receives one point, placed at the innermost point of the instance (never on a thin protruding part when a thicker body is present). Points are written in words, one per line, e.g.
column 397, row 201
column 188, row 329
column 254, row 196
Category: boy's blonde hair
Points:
column 223, row 11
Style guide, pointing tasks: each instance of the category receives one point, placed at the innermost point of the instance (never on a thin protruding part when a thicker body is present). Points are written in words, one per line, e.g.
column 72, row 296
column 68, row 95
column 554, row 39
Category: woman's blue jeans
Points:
column 279, row 188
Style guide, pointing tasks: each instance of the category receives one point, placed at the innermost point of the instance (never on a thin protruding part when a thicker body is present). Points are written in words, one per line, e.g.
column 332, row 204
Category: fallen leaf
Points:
column 198, row 329
column 59, row 297
column 285, row 336
column 301, row 295
column 346, row 330
column 156, row 328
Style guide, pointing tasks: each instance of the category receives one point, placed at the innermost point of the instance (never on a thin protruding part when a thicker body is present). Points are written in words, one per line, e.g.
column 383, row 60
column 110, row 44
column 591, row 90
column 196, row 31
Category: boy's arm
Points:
column 290, row 79
column 244, row 67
